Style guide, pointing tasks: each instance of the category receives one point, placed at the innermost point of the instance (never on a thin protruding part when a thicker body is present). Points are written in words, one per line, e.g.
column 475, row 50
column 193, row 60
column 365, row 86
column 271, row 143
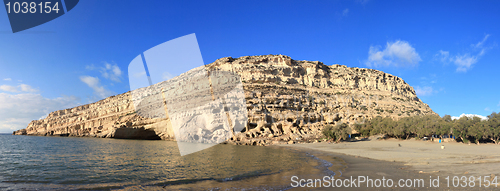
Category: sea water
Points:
column 74, row 163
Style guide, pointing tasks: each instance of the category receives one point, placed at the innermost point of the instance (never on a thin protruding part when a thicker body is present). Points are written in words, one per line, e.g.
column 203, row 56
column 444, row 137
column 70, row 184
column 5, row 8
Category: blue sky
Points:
column 447, row 50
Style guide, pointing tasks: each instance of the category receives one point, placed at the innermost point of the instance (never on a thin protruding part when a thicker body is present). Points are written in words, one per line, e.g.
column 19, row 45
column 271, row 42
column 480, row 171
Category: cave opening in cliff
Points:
column 136, row 133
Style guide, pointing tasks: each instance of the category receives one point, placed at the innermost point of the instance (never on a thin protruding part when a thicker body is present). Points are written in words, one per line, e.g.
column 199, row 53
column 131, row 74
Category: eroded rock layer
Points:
column 287, row 101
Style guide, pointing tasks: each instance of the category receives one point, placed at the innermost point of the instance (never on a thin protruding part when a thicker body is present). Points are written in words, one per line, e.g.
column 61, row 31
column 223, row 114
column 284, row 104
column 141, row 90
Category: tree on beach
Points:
column 464, row 129
column 364, row 130
column 447, row 118
column 477, row 131
column 399, row 130
column 460, row 128
column 494, row 125
column 338, row 132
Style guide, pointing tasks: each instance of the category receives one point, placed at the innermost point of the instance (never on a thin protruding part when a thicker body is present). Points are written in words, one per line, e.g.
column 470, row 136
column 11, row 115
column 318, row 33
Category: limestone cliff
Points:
column 287, row 101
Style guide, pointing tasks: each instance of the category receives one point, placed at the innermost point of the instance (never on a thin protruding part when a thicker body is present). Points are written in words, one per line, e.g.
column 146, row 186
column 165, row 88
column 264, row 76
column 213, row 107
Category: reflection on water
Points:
column 92, row 163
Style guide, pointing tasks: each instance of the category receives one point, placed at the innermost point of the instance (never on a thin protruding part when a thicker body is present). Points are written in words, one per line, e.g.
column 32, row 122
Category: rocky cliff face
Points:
column 287, row 101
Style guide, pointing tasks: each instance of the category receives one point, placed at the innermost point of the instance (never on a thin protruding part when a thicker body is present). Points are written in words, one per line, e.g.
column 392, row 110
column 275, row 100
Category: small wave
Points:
column 194, row 181
column 324, row 165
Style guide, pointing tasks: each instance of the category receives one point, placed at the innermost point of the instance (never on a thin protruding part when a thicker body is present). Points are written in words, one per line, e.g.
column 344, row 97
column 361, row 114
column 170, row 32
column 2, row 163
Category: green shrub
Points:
column 362, row 129
column 337, row 132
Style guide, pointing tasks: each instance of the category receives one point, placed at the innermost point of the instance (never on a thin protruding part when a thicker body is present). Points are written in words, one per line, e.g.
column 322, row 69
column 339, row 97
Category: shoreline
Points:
column 413, row 160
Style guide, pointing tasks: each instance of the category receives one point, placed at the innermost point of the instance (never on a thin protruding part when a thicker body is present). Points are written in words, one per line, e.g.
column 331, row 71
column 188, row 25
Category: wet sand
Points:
column 412, row 160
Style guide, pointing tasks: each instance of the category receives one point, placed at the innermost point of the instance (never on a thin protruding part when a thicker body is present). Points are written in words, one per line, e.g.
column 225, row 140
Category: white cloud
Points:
column 498, row 104
column 167, row 76
column 427, row 80
column 90, row 67
column 487, row 109
column 345, row 12
column 8, row 88
column 480, row 45
column 99, row 91
column 90, row 81
column 399, row 53
column 424, row 91
column 117, row 71
column 27, row 88
column 141, row 74
column 464, row 62
column 444, row 56
column 111, row 72
column 470, row 116
column 19, row 88
column 8, row 79
column 17, row 111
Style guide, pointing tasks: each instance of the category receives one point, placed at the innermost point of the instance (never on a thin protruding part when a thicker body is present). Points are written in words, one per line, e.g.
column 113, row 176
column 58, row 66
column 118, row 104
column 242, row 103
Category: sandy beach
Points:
column 411, row 159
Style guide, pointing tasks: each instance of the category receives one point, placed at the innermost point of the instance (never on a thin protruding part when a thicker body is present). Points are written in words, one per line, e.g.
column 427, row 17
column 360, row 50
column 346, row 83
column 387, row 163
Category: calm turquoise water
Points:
column 66, row 163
